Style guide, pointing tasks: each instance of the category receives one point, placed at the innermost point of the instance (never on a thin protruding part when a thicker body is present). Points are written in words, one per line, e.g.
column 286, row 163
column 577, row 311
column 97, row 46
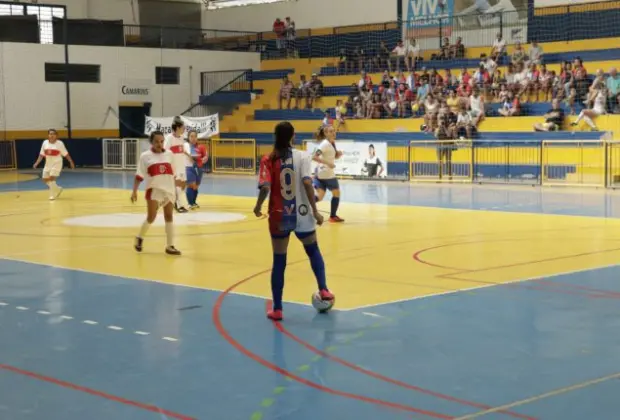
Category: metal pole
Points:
column 65, row 31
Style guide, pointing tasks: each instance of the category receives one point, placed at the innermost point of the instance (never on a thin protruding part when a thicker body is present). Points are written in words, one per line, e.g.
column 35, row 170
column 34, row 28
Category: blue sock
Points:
column 317, row 264
column 335, row 204
column 189, row 193
column 277, row 279
column 194, row 195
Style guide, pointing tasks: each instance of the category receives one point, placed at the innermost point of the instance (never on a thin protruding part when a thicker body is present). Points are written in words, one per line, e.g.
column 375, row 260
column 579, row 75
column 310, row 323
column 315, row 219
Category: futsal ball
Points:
column 415, row 107
column 321, row 305
column 393, row 105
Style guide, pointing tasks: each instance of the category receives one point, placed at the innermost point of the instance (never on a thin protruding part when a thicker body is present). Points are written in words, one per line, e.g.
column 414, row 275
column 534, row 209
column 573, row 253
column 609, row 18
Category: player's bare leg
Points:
column 55, row 190
column 168, row 217
column 181, row 204
column 151, row 213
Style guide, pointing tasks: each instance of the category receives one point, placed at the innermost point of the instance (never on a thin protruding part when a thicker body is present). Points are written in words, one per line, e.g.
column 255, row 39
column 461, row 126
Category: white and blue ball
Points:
column 321, row 305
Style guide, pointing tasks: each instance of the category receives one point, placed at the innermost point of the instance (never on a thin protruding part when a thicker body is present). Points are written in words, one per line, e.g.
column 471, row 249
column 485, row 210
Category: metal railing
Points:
column 226, row 81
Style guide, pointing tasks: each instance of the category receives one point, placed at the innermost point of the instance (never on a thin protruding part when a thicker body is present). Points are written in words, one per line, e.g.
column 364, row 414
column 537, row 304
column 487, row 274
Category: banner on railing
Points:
column 466, row 19
column 359, row 159
column 204, row 126
column 550, row 3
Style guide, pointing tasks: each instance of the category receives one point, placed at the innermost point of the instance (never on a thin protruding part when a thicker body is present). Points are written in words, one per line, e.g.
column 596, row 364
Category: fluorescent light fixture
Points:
column 222, row 4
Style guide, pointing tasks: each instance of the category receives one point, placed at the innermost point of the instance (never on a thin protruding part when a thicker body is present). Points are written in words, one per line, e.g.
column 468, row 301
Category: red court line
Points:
column 280, row 327
column 96, row 393
column 217, row 321
column 595, row 293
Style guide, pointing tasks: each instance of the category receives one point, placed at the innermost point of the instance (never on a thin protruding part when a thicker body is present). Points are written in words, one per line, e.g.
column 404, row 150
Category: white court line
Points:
column 141, row 333
column 21, row 308
column 81, row 270
column 44, row 312
column 373, row 314
column 89, row 322
column 169, row 339
column 541, row 396
column 4, row 304
column 66, row 317
column 114, row 327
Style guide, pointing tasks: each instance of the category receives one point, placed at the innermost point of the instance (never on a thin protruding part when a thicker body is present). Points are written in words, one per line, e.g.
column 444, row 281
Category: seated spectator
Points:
column 453, row 101
column 511, row 106
column 597, row 84
column 412, row 81
column 302, row 91
column 383, row 57
column 359, row 58
column 503, row 94
column 497, row 81
column 404, row 98
column 482, row 79
column 449, row 80
column 613, row 88
column 365, row 97
column 286, row 90
column 400, row 78
column 446, row 49
column 374, row 107
column 554, row 118
column 386, row 78
column 423, row 90
column 464, row 77
column 398, row 55
column 341, row 111
column 499, row 46
column 489, row 64
column 464, row 126
column 342, row 62
column 518, row 55
column 414, row 53
column 533, row 77
column 546, row 81
column 581, row 82
column 599, row 108
column 365, row 80
column 458, row 49
column 510, row 78
column 476, row 107
column 431, row 109
column 315, row 90
column 536, row 53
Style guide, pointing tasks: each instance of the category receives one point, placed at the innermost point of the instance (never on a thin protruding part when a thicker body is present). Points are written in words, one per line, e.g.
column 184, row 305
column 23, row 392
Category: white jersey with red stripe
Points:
column 157, row 170
column 176, row 145
column 53, row 152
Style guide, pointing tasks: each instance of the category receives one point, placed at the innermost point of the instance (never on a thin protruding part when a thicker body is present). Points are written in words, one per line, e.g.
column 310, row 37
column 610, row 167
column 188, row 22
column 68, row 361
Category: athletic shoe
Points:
column 275, row 315
column 335, row 219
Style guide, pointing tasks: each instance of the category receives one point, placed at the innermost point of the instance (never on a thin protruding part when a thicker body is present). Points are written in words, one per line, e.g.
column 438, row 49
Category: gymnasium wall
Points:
column 125, row 10
column 305, row 13
column 32, row 104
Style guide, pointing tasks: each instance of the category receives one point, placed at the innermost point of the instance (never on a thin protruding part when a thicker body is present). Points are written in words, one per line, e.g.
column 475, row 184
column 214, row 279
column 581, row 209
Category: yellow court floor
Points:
column 381, row 254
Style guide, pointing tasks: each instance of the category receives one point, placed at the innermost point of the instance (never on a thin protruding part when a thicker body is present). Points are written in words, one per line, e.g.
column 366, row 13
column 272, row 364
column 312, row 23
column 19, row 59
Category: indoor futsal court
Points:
column 453, row 302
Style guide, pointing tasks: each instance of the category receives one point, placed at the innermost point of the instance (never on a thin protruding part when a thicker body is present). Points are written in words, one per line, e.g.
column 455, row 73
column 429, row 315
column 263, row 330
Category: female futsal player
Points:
column 325, row 179
column 156, row 168
column 53, row 150
column 286, row 173
column 195, row 169
column 176, row 144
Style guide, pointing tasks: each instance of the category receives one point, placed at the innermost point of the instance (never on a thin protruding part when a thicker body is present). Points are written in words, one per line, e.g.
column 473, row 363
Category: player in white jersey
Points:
column 155, row 167
column 599, row 108
column 325, row 179
column 175, row 143
column 285, row 176
column 53, row 151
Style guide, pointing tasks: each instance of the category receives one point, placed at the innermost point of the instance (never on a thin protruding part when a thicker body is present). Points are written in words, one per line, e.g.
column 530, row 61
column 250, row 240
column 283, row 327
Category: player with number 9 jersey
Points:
column 289, row 208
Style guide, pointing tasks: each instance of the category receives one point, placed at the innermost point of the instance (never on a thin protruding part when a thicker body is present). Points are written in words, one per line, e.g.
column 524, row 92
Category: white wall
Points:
column 125, row 10
column 305, row 13
column 30, row 103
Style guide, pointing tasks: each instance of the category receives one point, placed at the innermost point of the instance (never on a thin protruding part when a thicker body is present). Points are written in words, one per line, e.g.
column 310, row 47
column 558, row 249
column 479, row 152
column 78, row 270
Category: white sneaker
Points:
column 58, row 192
column 52, row 198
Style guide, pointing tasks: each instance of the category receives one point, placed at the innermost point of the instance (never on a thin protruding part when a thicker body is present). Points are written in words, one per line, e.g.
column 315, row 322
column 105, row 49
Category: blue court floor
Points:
column 79, row 345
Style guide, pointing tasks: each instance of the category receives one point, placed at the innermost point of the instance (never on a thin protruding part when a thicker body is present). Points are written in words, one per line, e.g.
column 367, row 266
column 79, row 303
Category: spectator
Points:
column 613, row 87
column 315, row 90
column 302, row 92
column 499, row 46
column 398, row 55
column 286, row 90
column 404, row 98
column 280, row 31
column 423, row 90
column 450, row 80
column 431, row 109
column 546, row 80
column 476, row 107
column 490, row 65
column 444, row 134
column 458, row 49
column 384, row 57
column 597, row 84
column 554, row 118
column 464, row 77
column 414, row 54
column 365, row 80
column 374, row 106
column 510, row 78
column 341, row 110
column 587, row 115
column 412, row 80
column 482, row 79
column 291, row 34
column 536, row 53
column 518, row 55
column 446, row 49
column 464, row 126
column 453, row 101
column 511, row 106
column 342, row 62
column 386, row 79
column 365, row 97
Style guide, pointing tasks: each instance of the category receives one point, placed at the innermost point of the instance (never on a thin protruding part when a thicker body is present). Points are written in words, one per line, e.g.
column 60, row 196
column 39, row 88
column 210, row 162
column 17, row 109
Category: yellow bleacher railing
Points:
column 583, row 163
column 233, row 156
column 8, row 156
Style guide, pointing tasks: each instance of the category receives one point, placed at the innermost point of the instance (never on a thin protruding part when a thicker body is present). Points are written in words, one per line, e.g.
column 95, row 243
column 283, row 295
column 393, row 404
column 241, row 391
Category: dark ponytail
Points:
column 283, row 134
column 176, row 123
column 320, row 133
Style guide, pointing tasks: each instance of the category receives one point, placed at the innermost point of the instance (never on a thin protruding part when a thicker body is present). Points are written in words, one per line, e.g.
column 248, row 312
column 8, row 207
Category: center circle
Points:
column 129, row 220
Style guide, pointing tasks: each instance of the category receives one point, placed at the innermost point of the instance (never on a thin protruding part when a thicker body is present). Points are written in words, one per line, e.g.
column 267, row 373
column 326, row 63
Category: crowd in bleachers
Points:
column 462, row 100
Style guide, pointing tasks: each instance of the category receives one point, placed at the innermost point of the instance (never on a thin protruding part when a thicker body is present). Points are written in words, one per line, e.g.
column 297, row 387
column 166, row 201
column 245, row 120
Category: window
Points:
column 167, row 75
column 43, row 13
column 77, row 73
column 221, row 4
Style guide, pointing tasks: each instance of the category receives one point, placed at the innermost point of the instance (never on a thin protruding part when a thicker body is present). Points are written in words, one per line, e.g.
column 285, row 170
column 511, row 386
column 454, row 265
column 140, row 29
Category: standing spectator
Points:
column 365, row 80
column 291, row 34
column 458, row 49
column 398, row 54
column 518, row 55
column 286, row 90
column 383, row 58
column 536, row 53
column 554, row 118
column 499, row 46
column 280, row 31
column 613, row 87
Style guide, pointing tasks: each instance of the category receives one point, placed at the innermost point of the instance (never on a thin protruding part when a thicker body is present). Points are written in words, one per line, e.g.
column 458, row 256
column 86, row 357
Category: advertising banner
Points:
column 359, row 159
column 205, row 126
